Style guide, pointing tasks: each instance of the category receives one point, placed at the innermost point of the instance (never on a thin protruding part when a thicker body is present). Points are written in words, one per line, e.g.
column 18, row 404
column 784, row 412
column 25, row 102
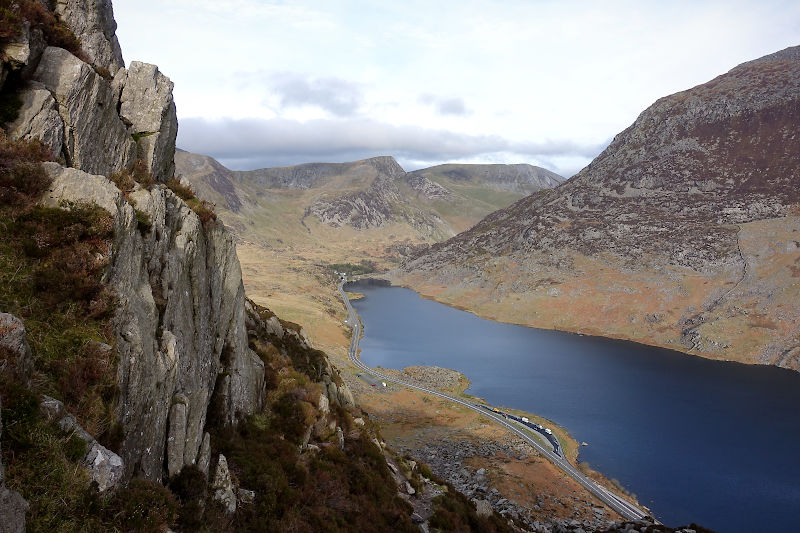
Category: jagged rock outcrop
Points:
column 95, row 138
column 39, row 118
column 94, row 123
column 180, row 324
column 427, row 188
column 93, row 22
column 681, row 233
column 371, row 208
column 147, row 107
column 103, row 466
column 292, row 341
column 223, row 486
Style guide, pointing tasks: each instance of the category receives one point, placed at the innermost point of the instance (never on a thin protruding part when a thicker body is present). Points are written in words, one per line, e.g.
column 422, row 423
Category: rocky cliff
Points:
column 684, row 232
column 152, row 393
column 180, row 317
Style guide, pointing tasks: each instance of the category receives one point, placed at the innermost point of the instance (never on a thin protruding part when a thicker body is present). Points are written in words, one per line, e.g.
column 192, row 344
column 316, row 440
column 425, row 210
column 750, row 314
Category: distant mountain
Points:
column 684, row 232
column 520, row 178
column 373, row 193
column 293, row 222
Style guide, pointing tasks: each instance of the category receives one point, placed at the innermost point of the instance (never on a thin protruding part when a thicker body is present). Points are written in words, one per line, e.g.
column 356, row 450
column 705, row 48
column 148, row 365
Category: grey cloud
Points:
column 337, row 96
column 257, row 143
column 445, row 106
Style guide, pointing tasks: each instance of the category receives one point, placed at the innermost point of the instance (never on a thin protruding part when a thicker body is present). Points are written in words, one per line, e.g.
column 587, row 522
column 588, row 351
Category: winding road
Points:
column 618, row 504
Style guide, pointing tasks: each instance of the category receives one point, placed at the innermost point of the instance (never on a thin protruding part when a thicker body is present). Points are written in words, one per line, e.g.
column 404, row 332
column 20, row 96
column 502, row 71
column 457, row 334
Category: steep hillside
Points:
column 292, row 223
column 684, row 232
column 140, row 389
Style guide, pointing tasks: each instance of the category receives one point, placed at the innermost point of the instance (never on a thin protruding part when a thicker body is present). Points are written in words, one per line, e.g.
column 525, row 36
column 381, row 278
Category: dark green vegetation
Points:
column 364, row 267
column 14, row 14
column 51, row 264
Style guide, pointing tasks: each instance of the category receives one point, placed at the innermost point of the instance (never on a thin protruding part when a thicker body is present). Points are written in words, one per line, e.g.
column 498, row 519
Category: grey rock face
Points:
column 176, row 442
column 204, row 456
column 39, row 118
column 14, row 348
column 23, row 54
column 93, row 22
column 95, row 138
column 180, row 322
column 147, row 107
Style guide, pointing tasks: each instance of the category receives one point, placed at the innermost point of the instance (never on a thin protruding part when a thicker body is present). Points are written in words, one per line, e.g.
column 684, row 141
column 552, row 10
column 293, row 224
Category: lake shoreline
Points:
column 661, row 421
column 590, row 332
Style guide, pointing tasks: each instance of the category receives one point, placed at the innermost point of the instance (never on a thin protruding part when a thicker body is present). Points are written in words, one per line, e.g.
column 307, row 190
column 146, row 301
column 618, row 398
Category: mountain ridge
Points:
column 660, row 238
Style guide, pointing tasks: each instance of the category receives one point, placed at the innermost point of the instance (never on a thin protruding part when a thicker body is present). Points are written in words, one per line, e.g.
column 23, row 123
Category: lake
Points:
column 697, row 440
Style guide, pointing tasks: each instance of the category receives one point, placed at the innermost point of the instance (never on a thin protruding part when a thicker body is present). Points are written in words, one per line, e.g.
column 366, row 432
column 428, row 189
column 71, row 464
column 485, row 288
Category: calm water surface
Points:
column 698, row 441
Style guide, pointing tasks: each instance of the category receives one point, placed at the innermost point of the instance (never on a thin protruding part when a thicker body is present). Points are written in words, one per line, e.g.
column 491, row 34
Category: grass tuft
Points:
column 203, row 208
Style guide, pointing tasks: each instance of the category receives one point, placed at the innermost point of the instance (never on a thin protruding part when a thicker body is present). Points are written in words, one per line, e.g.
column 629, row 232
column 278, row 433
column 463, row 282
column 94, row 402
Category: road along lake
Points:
column 702, row 441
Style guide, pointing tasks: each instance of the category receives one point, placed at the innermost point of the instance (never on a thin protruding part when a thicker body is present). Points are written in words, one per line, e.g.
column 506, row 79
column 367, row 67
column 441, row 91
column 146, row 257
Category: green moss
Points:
column 138, row 136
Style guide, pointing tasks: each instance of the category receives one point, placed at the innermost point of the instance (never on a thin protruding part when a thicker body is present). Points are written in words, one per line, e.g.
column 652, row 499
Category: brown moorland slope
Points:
column 684, row 232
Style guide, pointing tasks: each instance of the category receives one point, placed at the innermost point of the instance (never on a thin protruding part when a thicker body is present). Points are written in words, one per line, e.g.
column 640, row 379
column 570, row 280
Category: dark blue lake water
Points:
column 698, row 441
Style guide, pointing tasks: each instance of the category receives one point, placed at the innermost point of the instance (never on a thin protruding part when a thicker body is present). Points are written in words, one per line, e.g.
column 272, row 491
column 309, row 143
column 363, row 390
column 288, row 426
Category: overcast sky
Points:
column 263, row 83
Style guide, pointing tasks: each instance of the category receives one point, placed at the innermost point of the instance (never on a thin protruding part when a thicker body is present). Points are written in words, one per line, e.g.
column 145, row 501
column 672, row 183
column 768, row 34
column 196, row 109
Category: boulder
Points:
column 103, row 466
column 245, row 496
column 345, row 396
column 147, row 107
column 12, row 505
column 483, row 507
column 95, row 138
column 223, row 486
column 39, row 118
column 15, row 353
column 93, row 22
column 71, row 185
